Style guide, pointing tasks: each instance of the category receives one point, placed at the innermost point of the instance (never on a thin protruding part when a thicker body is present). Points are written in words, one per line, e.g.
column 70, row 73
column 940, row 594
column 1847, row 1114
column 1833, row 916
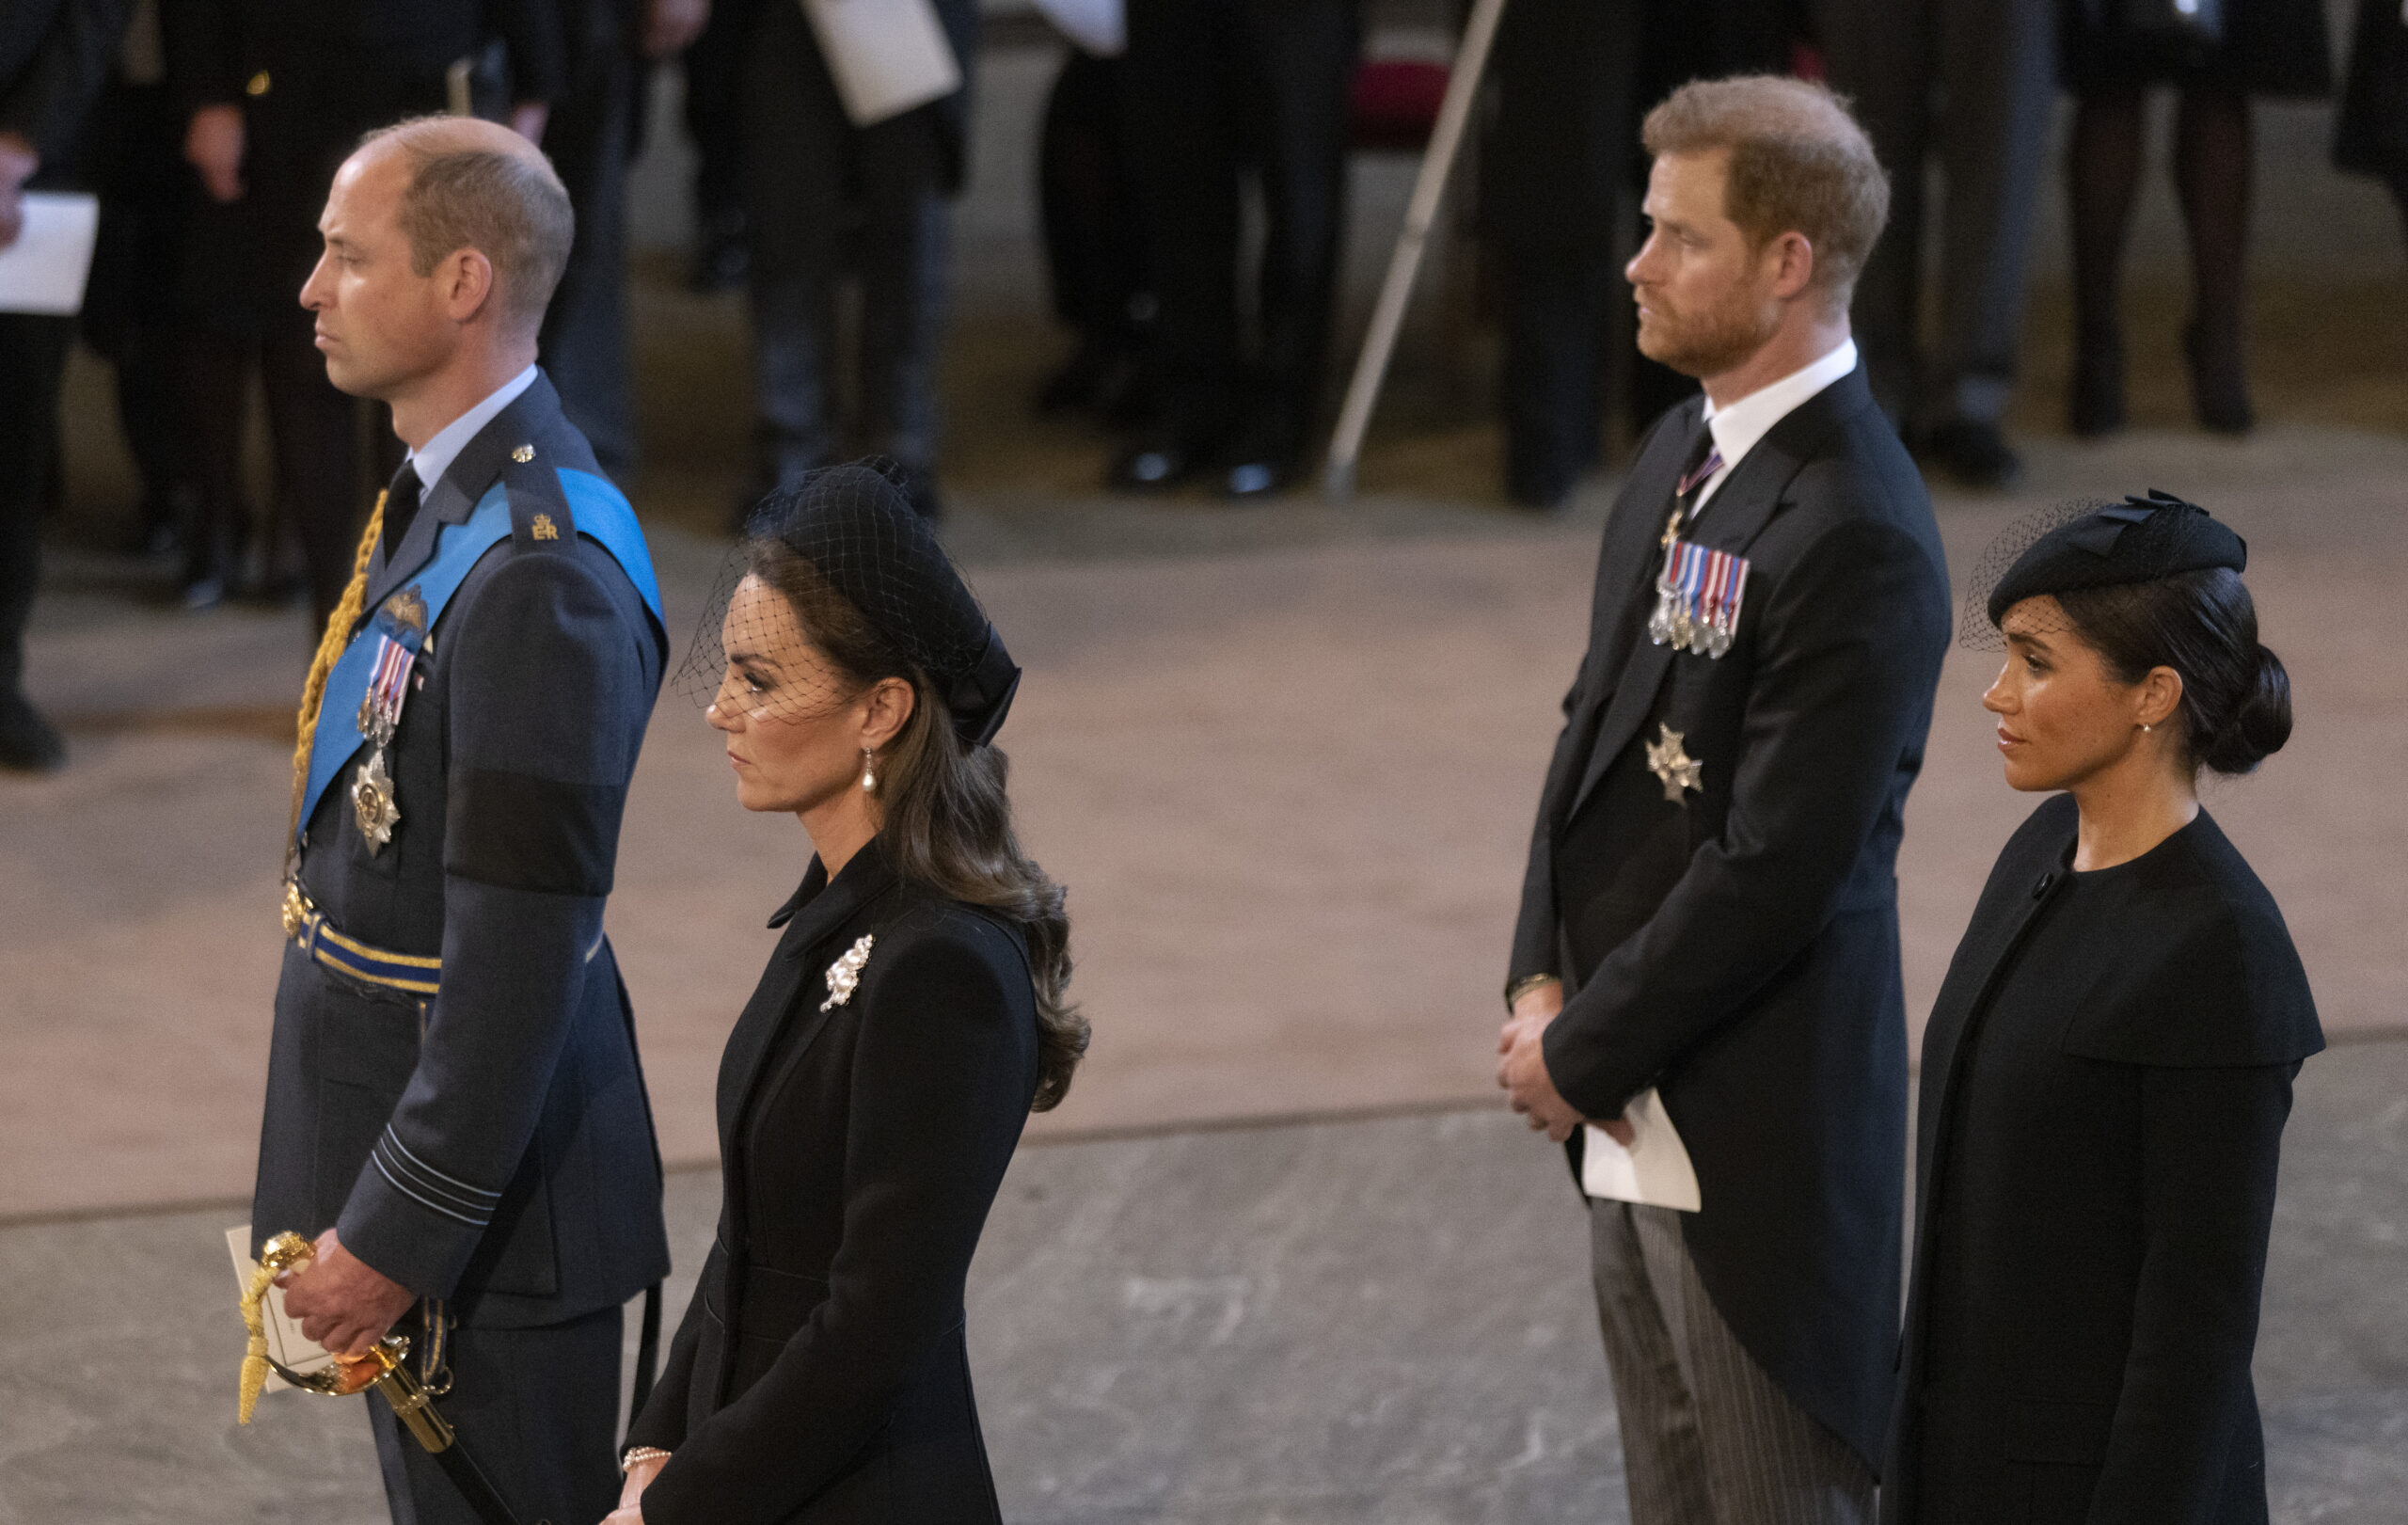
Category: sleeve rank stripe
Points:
column 395, row 1139
column 385, row 1166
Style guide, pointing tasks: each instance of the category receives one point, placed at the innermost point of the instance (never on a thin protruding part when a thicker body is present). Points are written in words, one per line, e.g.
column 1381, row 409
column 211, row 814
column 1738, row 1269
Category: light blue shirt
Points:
column 431, row 459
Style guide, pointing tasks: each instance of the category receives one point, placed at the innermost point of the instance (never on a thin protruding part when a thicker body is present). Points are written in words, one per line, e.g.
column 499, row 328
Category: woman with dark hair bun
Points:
column 2108, row 1067
column 875, row 1087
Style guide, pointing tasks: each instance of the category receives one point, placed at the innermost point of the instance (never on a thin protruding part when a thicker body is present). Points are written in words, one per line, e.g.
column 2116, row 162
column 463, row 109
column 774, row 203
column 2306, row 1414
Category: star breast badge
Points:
column 845, row 974
column 1670, row 761
column 373, row 803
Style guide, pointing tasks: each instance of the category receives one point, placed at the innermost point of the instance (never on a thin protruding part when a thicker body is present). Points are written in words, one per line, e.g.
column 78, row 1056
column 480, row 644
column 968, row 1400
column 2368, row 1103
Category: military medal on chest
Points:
column 401, row 630
column 1669, row 759
column 1697, row 598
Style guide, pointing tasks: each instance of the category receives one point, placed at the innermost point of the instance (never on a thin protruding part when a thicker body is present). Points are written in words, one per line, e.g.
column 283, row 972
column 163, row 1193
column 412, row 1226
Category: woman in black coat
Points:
column 2109, row 1065
column 875, row 1087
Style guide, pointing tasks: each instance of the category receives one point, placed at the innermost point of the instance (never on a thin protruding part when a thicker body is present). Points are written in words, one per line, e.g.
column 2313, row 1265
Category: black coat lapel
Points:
column 818, row 909
column 1731, row 520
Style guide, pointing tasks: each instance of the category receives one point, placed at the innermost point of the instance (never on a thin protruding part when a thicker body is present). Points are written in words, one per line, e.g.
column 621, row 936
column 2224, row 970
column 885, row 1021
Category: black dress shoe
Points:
column 200, row 593
column 1157, row 462
column 1973, row 452
column 1267, row 453
column 28, row 743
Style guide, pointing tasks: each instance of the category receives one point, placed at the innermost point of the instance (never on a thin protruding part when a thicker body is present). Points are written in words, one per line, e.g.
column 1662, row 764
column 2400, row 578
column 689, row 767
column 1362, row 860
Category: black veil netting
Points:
column 855, row 527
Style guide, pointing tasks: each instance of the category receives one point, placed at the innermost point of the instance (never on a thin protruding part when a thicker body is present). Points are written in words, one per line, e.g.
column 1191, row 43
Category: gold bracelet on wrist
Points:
column 636, row 1453
column 1523, row 986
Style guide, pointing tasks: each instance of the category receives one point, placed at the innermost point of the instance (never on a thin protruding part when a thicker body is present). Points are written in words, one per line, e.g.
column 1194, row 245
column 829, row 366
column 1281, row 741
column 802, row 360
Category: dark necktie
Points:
column 401, row 506
column 1704, row 461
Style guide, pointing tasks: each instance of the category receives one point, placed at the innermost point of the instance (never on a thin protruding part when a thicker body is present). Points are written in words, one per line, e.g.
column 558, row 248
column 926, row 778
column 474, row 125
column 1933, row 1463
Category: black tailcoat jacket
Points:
column 1739, row 950
column 491, row 1143
column 2105, row 1080
column 821, row 1374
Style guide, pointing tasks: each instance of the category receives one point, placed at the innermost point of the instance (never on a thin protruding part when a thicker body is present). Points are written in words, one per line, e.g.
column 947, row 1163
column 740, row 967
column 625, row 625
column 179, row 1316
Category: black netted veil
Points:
column 2084, row 544
column 853, row 525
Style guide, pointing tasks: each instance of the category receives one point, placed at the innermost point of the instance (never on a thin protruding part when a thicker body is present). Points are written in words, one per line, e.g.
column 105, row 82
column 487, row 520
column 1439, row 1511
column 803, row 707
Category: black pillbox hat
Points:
column 2138, row 540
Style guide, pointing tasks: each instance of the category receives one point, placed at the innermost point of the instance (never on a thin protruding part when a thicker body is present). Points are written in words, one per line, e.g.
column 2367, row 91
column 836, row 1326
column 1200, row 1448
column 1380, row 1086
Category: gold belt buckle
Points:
column 297, row 910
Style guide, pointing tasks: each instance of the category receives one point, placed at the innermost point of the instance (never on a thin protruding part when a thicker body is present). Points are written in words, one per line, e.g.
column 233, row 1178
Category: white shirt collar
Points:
column 1737, row 427
column 431, row 459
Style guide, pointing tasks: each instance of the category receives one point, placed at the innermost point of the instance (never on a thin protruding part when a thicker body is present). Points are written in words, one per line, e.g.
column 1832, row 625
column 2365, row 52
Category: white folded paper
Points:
column 1098, row 26
column 886, row 56
column 1655, row 1170
column 286, row 1345
column 44, row 270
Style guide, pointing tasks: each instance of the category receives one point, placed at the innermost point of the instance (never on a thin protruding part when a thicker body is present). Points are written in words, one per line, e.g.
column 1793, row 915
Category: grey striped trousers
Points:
column 1707, row 1439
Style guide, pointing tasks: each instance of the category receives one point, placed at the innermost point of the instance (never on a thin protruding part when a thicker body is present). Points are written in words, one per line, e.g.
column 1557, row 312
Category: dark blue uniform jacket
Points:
column 491, row 1144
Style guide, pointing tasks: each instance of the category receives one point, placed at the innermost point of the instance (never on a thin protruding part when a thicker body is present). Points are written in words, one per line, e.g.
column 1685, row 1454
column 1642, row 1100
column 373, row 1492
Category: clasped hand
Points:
column 344, row 1303
column 1521, row 1070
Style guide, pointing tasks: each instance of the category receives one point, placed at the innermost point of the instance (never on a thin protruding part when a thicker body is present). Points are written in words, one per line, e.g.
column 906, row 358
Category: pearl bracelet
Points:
column 636, row 1453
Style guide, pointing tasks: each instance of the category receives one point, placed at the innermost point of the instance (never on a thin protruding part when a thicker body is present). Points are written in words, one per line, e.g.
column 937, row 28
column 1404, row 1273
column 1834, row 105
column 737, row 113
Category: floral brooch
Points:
column 845, row 974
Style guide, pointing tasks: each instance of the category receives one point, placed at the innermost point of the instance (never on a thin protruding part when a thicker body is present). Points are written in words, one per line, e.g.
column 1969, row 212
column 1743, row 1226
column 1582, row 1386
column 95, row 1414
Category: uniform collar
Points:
column 431, row 459
column 1738, row 428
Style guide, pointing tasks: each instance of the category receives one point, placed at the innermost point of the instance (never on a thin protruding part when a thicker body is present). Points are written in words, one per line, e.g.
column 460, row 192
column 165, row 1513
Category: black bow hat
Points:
column 856, row 526
column 2138, row 540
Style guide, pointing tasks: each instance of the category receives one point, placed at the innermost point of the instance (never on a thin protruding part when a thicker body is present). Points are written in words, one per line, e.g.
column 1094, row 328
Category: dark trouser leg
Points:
column 1555, row 323
column 2211, row 164
column 1565, row 136
column 903, row 264
column 1998, row 79
column 584, row 342
column 33, row 356
column 213, row 375
column 538, row 1408
column 316, row 433
column 1881, row 55
column 2103, row 174
column 1300, row 57
column 798, row 149
column 1181, row 74
column 1094, row 250
column 715, row 115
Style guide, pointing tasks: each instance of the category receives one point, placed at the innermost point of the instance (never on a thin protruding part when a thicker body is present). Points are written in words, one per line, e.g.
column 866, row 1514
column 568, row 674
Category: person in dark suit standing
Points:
column 455, row 1106
column 55, row 55
column 276, row 93
column 1220, row 91
column 590, row 135
column 875, row 1084
column 1971, row 83
column 824, row 200
column 2109, row 1065
column 1708, row 942
column 1558, row 170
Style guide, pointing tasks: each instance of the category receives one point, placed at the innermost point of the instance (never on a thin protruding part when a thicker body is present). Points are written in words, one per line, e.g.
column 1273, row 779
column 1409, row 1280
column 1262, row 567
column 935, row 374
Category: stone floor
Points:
column 1276, row 1259
column 1377, row 1322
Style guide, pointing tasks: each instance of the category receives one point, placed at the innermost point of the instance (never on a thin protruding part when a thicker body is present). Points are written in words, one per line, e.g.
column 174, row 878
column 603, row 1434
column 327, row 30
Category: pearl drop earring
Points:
column 869, row 770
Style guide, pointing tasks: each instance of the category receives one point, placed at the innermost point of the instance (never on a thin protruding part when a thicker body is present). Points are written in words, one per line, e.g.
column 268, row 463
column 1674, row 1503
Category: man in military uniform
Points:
column 456, row 1108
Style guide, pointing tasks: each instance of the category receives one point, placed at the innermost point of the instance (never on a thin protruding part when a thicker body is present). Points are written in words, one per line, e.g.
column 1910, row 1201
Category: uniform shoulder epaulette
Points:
column 539, row 519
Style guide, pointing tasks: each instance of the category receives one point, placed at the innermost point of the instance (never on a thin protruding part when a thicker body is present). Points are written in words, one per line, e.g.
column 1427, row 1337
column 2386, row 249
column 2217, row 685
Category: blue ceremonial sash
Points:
column 599, row 511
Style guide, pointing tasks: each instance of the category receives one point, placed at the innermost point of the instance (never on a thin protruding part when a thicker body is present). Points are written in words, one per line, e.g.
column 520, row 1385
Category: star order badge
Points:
column 372, row 802
column 1668, row 760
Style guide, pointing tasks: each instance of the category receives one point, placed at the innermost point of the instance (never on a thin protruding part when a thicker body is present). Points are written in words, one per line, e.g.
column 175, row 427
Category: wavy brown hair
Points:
column 946, row 816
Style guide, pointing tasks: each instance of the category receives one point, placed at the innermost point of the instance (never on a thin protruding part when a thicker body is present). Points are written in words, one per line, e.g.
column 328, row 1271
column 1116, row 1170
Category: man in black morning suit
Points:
column 1708, row 933
column 455, row 1106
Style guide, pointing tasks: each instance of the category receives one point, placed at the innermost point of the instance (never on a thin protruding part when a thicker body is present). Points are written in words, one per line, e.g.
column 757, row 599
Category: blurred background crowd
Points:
column 1192, row 174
